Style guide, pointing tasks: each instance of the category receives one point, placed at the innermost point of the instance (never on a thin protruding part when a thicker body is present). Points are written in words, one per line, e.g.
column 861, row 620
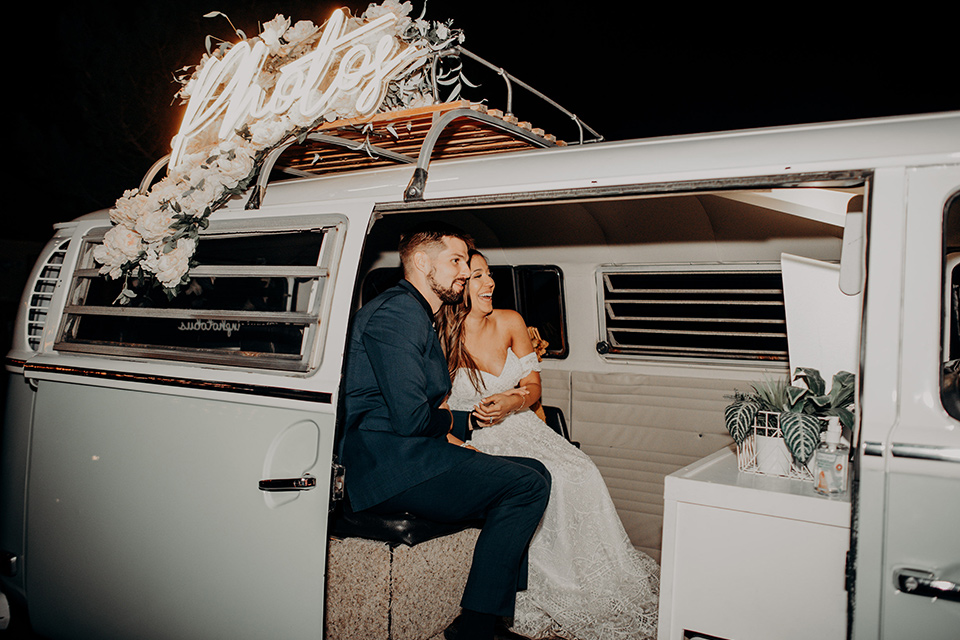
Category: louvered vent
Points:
column 41, row 295
column 731, row 314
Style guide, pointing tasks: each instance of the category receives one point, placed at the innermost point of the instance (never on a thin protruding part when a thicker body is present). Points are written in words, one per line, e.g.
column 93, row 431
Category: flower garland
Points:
column 154, row 234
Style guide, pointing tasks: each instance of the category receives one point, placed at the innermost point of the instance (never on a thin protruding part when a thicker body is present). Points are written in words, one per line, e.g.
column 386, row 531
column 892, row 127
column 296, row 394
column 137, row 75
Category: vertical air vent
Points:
column 42, row 293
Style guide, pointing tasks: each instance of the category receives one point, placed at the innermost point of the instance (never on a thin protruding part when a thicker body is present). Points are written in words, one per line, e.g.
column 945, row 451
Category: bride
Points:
column 586, row 580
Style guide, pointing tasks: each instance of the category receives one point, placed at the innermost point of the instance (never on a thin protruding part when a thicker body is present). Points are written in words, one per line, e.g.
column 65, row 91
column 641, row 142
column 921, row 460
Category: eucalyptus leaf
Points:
column 739, row 418
column 801, row 433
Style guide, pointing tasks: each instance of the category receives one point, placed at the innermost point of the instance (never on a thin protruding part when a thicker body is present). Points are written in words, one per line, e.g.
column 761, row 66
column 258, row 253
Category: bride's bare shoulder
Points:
column 508, row 319
column 513, row 331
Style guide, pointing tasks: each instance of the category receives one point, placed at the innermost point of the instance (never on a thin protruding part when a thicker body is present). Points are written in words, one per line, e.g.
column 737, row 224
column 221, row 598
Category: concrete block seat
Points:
column 398, row 577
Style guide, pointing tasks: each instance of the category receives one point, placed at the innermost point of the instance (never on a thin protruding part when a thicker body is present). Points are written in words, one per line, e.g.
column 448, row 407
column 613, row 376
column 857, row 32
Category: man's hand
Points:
column 493, row 409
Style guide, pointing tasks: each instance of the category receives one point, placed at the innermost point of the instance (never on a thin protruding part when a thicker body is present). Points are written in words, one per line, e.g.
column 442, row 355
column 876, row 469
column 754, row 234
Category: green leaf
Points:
column 772, row 394
column 819, row 403
column 739, row 418
column 846, row 417
column 801, row 433
column 795, row 398
column 841, row 391
column 813, row 380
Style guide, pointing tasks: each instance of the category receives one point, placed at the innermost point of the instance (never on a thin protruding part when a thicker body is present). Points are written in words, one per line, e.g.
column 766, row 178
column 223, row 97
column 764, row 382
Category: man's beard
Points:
column 447, row 295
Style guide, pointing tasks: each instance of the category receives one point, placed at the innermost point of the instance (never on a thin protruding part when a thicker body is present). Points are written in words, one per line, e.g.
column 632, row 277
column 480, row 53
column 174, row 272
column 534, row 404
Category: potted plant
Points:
column 801, row 411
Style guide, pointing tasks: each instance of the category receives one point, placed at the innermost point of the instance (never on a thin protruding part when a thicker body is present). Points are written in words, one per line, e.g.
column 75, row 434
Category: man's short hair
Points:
column 428, row 237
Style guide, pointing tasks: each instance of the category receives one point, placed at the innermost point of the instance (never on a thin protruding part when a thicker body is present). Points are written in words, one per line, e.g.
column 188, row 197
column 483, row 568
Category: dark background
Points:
column 91, row 88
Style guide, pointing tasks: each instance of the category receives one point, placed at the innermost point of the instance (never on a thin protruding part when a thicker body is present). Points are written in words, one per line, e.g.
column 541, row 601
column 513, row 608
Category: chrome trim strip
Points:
column 289, row 317
column 925, row 452
column 873, row 449
column 836, row 178
column 208, row 385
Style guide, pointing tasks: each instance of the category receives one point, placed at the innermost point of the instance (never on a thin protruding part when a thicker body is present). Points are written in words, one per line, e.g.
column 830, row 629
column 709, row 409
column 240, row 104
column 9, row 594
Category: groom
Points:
column 405, row 450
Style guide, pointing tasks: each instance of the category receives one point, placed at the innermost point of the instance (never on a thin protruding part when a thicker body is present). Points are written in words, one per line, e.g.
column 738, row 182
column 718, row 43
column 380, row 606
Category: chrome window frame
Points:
column 313, row 320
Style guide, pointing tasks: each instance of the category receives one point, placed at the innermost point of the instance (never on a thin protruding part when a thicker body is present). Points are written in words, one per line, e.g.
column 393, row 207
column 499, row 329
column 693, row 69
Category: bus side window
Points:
column 950, row 374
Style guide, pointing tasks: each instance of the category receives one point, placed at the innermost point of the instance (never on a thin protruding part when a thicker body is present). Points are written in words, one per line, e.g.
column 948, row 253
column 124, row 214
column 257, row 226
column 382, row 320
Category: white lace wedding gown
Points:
column 586, row 580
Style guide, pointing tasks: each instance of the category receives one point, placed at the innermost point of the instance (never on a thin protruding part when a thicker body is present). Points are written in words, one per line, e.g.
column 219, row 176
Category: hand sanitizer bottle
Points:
column 830, row 461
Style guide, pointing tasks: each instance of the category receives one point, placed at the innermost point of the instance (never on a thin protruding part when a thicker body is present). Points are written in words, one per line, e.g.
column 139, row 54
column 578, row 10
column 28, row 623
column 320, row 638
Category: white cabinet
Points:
column 750, row 557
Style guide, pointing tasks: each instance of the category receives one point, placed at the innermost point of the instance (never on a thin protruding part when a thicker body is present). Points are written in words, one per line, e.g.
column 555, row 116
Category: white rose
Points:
column 172, row 266
column 300, row 31
column 374, row 11
column 266, row 132
column 162, row 192
column 273, row 31
column 233, row 170
column 155, row 225
column 128, row 208
column 111, row 261
column 151, row 258
column 120, row 246
column 127, row 242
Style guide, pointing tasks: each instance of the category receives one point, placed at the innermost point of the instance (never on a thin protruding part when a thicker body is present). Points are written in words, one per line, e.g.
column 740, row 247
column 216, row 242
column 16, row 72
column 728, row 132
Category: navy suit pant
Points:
column 509, row 494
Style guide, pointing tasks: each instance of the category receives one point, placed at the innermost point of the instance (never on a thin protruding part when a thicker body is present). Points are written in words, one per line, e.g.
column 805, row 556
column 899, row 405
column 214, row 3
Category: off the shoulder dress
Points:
column 586, row 580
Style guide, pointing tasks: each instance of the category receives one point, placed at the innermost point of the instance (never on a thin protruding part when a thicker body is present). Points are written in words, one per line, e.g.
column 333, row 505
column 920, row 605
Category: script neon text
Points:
column 226, row 89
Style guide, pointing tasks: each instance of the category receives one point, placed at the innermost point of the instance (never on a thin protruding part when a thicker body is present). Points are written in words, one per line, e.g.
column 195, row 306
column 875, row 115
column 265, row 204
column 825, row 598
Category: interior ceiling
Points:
column 696, row 218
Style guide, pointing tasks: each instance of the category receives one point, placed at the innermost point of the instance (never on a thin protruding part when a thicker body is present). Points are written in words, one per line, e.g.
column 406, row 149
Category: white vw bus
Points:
column 136, row 436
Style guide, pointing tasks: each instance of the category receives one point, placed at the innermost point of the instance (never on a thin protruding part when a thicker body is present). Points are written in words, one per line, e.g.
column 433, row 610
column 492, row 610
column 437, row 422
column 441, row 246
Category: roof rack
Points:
column 410, row 136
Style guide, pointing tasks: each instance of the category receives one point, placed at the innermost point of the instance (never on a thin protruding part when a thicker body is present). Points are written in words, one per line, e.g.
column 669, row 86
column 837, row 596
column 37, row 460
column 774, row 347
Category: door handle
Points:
column 304, row 483
column 925, row 583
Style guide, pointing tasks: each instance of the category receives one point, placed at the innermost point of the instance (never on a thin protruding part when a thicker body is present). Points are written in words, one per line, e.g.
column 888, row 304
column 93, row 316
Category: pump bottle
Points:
column 830, row 461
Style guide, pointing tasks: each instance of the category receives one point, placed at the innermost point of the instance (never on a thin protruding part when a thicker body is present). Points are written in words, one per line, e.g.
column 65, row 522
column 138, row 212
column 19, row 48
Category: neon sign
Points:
column 354, row 66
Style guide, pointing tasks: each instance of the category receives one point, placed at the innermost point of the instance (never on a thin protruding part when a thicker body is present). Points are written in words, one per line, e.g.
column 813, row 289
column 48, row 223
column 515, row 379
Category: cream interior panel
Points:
column 640, row 428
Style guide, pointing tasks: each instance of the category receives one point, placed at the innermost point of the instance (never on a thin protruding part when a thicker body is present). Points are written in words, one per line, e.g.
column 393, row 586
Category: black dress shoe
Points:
column 470, row 625
column 451, row 632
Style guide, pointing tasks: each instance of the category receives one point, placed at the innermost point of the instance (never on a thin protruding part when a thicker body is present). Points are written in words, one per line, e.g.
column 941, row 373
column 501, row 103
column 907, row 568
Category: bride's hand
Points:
column 493, row 409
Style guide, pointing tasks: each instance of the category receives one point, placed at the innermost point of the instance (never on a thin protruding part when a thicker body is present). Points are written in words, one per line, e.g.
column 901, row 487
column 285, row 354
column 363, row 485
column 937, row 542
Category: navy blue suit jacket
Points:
column 396, row 378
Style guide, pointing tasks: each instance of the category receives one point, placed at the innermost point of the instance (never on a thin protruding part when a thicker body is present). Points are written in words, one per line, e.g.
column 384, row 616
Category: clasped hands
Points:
column 494, row 409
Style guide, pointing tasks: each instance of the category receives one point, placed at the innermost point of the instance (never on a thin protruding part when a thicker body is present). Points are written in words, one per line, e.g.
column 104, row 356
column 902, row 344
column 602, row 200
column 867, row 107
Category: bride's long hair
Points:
column 449, row 321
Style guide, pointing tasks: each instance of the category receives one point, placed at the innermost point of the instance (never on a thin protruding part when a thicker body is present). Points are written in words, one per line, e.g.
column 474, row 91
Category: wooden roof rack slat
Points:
column 437, row 132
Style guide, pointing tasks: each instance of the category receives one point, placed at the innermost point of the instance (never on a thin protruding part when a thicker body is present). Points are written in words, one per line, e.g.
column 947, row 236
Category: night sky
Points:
column 99, row 109
column 93, row 101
